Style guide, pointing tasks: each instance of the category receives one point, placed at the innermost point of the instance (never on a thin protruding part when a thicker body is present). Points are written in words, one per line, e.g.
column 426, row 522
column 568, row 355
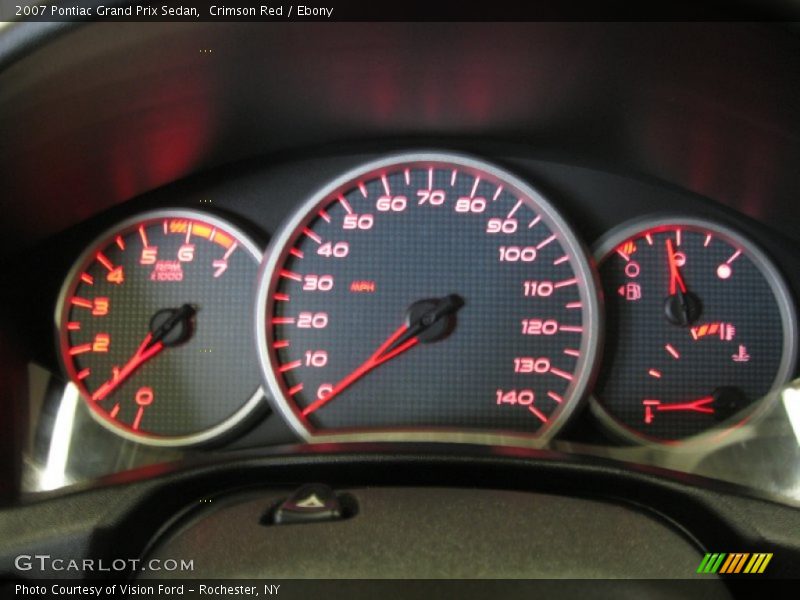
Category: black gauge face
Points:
column 423, row 297
column 155, row 326
column 700, row 330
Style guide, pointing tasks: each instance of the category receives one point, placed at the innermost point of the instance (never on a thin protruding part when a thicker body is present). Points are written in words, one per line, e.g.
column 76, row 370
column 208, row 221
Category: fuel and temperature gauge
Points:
column 700, row 329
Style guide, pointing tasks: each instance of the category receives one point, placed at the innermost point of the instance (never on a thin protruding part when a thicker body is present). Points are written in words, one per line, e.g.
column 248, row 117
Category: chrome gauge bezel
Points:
column 278, row 249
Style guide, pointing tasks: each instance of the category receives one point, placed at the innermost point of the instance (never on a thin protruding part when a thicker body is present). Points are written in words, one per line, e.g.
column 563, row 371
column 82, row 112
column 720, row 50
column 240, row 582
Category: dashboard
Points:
column 563, row 265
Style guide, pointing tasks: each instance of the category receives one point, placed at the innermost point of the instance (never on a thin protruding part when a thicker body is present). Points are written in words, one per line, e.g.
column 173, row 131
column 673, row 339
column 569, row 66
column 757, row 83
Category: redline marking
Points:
column 734, row 257
column 138, row 419
column 73, row 326
column 407, row 175
column 553, row 396
column 213, row 234
column 296, row 389
column 362, row 188
column 120, row 242
column 143, row 235
column 166, row 227
column 544, row 242
column 649, row 238
column 571, row 328
column 289, row 366
column 114, row 411
column 281, row 297
column 497, row 193
column 623, row 255
column 290, row 275
column 560, row 373
column 103, row 260
column 654, row 373
column 280, row 344
column 82, row 302
column 430, row 178
column 565, row 283
column 475, row 186
column 296, row 252
column 84, row 374
column 538, row 414
column 386, row 184
column 312, row 235
column 283, row 321
column 324, row 216
column 345, row 204
column 515, row 209
column 230, row 250
column 86, row 278
column 563, row 259
column 669, row 348
column 572, row 352
column 708, row 241
column 453, row 177
column 80, row 349
column 677, row 237
column 535, row 221
column 574, row 305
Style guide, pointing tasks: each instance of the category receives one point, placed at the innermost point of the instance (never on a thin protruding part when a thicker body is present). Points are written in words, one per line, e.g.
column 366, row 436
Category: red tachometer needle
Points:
column 143, row 353
column 675, row 278
column 378, row 357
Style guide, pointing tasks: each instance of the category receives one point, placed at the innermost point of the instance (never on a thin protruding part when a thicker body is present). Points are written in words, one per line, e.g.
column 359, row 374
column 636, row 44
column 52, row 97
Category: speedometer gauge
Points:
column 155, row 328
column 427, row 296
column 701, row 326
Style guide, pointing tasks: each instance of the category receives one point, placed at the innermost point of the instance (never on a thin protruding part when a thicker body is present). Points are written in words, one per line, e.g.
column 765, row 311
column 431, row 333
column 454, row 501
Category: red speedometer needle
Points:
column 675, row 278
column 143, row 353
column 429, row 314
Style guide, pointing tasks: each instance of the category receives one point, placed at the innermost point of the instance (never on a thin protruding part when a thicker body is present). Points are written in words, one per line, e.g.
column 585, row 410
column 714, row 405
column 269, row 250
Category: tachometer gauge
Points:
column 700, row 329
column 155, row 328
column 427, row 297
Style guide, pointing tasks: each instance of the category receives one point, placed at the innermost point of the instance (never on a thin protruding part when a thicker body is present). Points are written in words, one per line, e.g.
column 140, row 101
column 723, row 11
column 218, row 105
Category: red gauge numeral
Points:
column 100, row 307
column 309, row 320
column 116, row 275
column 149, row 255
column 470, row 205
column 101, row 342
column 144, row 396
column 507, row 226
column 540, row 289
column 517, row 253
column 528, row 364
column 316, row 358
column 186, row 253
column 324, row 390
column 317, row 283
column 521, row 397
column 334, row 250
column 391, row 203
column 433, row 197
column 220, row 266
column 539, row 326
column 355, row 221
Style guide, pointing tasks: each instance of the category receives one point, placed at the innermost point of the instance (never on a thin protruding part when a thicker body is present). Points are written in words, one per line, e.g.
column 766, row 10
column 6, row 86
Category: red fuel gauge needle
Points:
column 675, row 278
column 700, row 405
column 431, row 314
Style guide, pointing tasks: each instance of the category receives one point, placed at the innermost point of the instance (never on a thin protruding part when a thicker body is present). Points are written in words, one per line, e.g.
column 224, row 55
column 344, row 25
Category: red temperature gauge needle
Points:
column 144, row 353
column 428, row 320
column 700, row 405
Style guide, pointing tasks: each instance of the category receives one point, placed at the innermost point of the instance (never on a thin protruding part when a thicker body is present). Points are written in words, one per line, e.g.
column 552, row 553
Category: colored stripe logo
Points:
column 735, row 562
